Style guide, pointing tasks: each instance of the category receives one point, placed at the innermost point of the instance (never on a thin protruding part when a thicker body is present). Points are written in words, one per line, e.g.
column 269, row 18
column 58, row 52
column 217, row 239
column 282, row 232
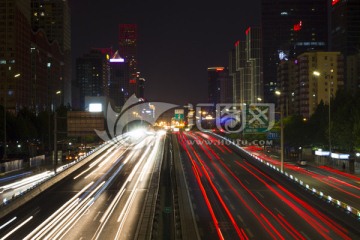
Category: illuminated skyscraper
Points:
column 119, row 81
column 246, row 68
column 128, row 45
column 290, row 27
column 92, row 75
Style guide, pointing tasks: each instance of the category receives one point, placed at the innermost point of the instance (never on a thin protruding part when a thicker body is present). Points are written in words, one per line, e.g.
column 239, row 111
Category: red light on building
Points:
column 219, row 69
column 247, row 31
column 237, row 43
column 333, row 2
column 132, row 81
column 297, row 27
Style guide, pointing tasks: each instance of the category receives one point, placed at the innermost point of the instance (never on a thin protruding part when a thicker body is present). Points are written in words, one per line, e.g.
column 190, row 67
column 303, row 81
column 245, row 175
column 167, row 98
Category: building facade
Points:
column 290, row 27
column 119, row 81
column 31, row 67
column 311, row 78
column 345, row 38
column 128, row 46
column 47, row 63
column 246, row 68
column 92, row 72
column 53, row 17
column 15, row 41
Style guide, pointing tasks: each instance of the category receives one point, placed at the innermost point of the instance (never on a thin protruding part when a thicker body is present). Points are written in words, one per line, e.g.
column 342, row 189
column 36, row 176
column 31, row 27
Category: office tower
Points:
column 119, row 81
column 53, row 17
column 289, row 28
column 253, row 73
column 213, row 84
column 345, row 37
column 226, row 87
column 92, row 75
column 237, row 66
column 128, row 46
column 246, row 68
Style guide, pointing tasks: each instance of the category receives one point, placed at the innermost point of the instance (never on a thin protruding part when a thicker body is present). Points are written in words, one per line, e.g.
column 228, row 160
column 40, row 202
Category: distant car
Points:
column 302, row 162
column 71, row 157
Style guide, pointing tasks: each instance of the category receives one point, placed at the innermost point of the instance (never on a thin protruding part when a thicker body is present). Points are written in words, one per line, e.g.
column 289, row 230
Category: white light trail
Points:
column 15, row 229
column 8, row 222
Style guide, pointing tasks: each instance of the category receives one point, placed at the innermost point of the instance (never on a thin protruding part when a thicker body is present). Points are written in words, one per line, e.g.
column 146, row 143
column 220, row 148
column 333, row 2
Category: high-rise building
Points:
column 92, row 75
column 226, row 87
column 345, row 37
column 309, row 79
column 290, row 27
column 288, row 85
column 219, row 85
column 47, row 62
column 119, row 81
column 237, row 66
column 254, row 70
column 53, row 17
column 15, row 42
column 128, row 46
column 246, row 68
column 31, row 67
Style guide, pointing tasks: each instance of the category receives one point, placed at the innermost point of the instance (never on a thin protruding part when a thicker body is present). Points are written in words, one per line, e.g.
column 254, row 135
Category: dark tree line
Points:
column 30, row 129
column 344, row 131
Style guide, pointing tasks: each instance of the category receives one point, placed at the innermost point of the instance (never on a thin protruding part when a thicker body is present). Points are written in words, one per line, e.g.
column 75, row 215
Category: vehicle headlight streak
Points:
column 42, row 227
column 15, row 229
column 94, row 163
column 105, row 218
column 61, row 221
column 29, row 180
column 125, row 211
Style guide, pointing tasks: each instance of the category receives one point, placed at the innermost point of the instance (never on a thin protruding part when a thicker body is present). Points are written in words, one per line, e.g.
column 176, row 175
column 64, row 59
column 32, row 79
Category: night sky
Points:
column 177, row 40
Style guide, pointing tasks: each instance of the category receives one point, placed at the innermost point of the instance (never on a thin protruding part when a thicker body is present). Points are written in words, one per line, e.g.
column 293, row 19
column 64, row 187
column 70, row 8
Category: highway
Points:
column 140, row 189
column 102, row 200
column 233, row 199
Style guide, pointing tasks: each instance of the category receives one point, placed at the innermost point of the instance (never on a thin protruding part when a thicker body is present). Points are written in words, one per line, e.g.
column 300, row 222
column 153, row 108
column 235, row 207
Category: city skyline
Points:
column 176, row 43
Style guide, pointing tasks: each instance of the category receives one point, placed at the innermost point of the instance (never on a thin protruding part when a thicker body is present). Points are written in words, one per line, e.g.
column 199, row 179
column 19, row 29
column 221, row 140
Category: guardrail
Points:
column 320, row 194
column 41, row 186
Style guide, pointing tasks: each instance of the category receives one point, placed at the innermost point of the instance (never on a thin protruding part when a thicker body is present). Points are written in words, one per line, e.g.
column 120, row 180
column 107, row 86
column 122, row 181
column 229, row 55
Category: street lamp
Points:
column 278, row 93
column 318, row 74
column 55, row 136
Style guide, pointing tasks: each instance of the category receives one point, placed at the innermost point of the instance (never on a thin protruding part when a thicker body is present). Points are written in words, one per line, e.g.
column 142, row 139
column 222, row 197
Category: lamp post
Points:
column 318, row 74
column 55, row 136
column 278, row 93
